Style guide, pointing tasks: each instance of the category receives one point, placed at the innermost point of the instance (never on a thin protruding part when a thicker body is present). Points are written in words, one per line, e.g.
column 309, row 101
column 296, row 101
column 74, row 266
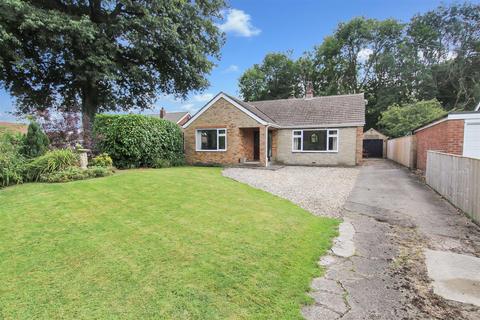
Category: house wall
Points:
column 349, row 149
column 446, row 136
column 359, row 146
column 247, row 140
column 274, row 143
column 222, row 114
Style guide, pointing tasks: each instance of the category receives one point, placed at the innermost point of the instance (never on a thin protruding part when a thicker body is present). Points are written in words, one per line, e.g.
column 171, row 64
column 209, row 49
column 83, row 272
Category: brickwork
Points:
column 446, row 136
column 222, row 114
column 359, row 146
column 274, row 143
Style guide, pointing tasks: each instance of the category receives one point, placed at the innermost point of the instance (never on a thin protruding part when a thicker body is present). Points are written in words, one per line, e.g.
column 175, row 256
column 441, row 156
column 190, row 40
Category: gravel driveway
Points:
column 320, row 190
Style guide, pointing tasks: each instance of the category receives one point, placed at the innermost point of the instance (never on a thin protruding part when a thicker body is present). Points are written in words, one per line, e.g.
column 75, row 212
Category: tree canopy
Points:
column 400, row 120
column 436, row 55
column 105, row 55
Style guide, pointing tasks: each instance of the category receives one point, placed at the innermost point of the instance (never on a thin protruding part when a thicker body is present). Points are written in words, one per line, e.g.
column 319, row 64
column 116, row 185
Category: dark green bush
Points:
column 51, row 162
column 137, row 140
column 12, row 162
column 75, row 173
column 36, row 141
column 102, row 160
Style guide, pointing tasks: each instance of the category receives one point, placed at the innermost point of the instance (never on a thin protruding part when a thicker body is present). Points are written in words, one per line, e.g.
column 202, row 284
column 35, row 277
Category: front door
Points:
column 256, row 145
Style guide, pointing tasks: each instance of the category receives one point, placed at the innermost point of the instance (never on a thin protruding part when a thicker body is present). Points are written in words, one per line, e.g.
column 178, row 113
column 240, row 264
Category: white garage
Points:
column 471, row 139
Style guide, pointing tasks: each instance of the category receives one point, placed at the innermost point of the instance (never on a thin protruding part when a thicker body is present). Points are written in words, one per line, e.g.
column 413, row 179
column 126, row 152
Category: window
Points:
column 315, row 140
column 211, row 139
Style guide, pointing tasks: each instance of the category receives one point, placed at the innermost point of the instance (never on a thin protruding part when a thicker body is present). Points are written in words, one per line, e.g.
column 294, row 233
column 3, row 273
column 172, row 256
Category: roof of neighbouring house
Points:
column 173, row 116
column 13, row 127
column 340, row 109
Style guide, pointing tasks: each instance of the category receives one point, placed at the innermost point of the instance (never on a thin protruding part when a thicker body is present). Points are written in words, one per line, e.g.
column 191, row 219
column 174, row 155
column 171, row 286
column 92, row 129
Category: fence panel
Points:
column 403, row 150
column 456, row 178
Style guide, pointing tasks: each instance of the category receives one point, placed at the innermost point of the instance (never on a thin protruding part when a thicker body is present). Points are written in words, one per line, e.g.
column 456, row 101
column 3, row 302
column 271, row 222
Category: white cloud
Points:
column 238, row 23
column 364, row 54
column 190, row 107
column 232, row 68
column 203, row 97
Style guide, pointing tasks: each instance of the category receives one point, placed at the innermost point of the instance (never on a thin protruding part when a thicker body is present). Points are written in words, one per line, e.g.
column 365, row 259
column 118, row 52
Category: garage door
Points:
column 373, row 148
column 471, row 142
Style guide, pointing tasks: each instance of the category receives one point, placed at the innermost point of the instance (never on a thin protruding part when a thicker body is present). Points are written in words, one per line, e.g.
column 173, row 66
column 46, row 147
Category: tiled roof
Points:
column 340, row 109
column 173, row 116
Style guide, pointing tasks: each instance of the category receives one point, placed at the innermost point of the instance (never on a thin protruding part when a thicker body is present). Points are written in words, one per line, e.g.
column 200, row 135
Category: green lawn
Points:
column 179, row 243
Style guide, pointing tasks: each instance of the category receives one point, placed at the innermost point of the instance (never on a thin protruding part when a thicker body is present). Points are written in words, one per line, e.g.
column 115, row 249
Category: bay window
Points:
column 211, row 139
column 315, row 140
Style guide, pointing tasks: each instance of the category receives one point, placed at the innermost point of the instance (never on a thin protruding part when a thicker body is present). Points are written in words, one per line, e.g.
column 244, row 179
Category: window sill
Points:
column 314, row 151
column 211, row 150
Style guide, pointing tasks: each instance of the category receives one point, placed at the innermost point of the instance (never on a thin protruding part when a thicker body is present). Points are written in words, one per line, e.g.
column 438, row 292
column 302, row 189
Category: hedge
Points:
column 138, row 140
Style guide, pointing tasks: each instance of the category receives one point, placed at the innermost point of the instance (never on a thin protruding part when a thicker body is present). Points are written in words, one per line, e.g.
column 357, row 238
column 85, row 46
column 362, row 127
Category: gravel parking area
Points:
column 320, row 190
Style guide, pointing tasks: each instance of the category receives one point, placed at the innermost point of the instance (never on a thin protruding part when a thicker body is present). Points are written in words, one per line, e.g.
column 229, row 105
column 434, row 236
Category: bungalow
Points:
column 307, row 131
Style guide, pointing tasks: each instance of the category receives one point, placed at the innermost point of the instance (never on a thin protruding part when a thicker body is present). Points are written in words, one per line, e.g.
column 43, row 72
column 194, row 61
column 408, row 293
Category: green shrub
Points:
column 137, row 140
column 75, row 173
column 162, row 163
column 36, row 141
column 12, row 162
column 51, row 162
column 178, row 162
column 96, row 172
column 102, row 160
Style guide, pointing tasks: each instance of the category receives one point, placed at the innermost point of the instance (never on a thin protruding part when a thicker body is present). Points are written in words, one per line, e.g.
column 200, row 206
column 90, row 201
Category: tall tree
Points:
column 434, row 56
column 446, row 44
column 399, row 120
column 105, row 55
column 273, row 79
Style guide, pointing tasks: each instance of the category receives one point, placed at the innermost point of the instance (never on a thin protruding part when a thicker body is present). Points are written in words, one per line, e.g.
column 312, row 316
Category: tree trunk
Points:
column 89, row 109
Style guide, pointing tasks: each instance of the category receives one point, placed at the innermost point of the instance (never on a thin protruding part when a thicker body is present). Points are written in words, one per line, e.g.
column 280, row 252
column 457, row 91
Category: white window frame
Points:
column 337, row 134
column 198, row 143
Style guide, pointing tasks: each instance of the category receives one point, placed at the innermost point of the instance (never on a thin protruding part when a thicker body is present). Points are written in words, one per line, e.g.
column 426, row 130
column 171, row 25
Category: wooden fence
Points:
column 403, row 150
column 456, row 178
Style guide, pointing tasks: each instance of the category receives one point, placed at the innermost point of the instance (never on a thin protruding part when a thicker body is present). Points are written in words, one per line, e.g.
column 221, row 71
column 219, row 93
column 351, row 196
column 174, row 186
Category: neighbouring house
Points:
column 456, row 133
column 179, row 117
column 374, row 144
column 306, row 131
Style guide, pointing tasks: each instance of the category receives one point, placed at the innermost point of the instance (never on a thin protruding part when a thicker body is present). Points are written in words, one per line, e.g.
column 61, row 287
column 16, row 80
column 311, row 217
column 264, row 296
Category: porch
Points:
column 258, row 145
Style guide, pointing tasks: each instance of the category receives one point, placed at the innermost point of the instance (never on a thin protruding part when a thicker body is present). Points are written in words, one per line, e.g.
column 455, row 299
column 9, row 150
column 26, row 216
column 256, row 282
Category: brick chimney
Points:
column 309, row 90
column 162, row 113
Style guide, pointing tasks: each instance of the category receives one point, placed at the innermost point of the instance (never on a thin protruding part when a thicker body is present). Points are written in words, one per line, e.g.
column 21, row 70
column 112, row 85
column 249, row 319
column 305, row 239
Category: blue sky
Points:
column 255, row 28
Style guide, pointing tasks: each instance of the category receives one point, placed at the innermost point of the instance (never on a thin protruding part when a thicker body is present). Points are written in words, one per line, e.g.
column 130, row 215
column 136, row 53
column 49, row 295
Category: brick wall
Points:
column 359, row 146
column 446, row 136
column 222, row 114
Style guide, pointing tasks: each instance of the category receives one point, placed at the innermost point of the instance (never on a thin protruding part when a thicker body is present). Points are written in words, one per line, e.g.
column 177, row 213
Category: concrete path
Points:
column 377, row 268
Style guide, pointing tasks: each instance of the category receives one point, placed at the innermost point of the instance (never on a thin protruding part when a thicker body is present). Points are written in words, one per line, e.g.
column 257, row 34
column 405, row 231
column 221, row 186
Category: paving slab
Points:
column 455, row 276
